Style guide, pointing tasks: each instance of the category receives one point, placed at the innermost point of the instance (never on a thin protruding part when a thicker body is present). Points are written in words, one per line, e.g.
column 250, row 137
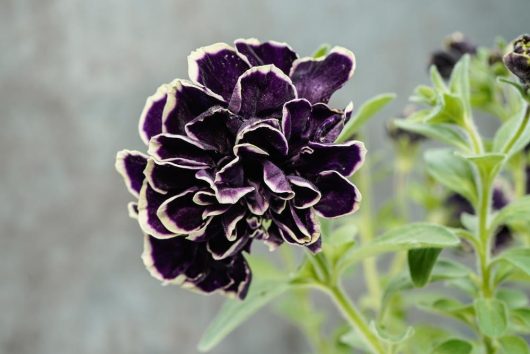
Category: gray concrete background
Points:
column 74, row 76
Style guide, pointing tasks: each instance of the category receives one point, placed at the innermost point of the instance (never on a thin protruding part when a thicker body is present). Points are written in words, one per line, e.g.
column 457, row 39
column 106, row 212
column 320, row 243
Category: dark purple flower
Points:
column 244, row 151
column 518, row 59
column 456, row 46
column 398, row 134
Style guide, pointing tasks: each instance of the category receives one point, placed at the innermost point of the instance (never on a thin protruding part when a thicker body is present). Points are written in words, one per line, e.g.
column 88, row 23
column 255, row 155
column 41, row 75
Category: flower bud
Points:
column 518, row 60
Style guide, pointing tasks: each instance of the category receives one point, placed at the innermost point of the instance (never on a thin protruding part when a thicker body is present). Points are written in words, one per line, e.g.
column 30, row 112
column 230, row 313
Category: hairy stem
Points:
column 355, row 318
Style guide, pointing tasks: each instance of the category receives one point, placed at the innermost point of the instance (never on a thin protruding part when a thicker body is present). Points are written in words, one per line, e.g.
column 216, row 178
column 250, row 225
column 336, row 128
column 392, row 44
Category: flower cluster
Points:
column 242, row 151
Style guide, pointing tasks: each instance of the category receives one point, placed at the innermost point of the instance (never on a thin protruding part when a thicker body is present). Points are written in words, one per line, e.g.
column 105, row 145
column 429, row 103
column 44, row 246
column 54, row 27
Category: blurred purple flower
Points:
column 244, row 151
column 456, row 46
column 518, row 59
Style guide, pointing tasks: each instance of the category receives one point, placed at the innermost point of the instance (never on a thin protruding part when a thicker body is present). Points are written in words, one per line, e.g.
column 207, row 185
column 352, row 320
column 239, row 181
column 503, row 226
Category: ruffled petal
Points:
column 130, row 165
column 181, row 215
column 241, row 276
column 167, row 176
column 271, row 52
column 265, row 137
column 148, row 204
column 339, row 196
column 229, row 183
column 276, row 181
column 218, row 67
column 181, row 150
column 185, row 101
column 213, row 128
column 343, row 158
column 168, row 260
column 305, row 193
column 260, row 91
column 317, row 79
column 295, row 118
column 151, row 117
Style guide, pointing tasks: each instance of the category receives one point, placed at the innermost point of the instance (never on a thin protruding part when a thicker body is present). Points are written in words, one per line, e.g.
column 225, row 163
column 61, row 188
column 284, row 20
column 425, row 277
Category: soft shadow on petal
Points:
column 131, row 165
column 218, row 67
column 279, row 54
column 339, row 196
column 317, row 79
column 261, row 91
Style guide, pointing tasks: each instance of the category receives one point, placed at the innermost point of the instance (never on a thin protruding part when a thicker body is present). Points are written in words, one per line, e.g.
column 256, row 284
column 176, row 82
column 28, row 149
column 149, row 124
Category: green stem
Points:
column 476, row 141
column 484, row 251
column 355, row 318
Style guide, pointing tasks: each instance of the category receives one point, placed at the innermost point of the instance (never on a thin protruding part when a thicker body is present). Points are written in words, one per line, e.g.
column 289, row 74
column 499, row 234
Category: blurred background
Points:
column 74, row 76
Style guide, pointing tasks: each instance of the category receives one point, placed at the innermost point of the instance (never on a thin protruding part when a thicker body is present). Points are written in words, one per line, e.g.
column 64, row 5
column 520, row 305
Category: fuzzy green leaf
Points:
column 492, row 316
column 453, row 346
column 452, row 171
column 517, row 257
column 367, row 110
column 514, row 345
column 444, row 133
column 421, row 263
column 234, row 312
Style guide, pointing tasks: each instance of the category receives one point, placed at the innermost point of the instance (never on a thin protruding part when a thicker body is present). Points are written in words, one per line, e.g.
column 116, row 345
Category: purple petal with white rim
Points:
column 316, row 246
column 240, row 273
column 180, row 214
column 229, row 183
column 261, row 91
column 181, row 150
column 305, row 193
column 230, row 219
column 151, row 117
column 339, row 196
column 275, row 179
column 168, row 260
column 270, row 52
column 185, row 101
column 317, row 79
column 130, row 165
column 148, row 204
column 298, row 226
column 217, row 67
column 221, row 248
column 167, row 176
column 343, row 158
column 265, row 137
column 257, row 201
column 295, row 118
column 132, row 208
column 211, row 128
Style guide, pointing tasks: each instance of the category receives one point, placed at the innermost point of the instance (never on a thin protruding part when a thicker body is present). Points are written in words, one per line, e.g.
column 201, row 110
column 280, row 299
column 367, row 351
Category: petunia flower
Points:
column 455, row 47
column 242, row 151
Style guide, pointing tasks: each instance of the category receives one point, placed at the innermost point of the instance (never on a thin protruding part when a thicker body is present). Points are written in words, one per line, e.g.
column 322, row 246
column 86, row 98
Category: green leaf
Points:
column 442, row 132
column 517, row 257
column 452, row 171
column 421, row 263
column 459, row 83
column 454, row 346
column 322, row 51
column 502, row 142
column 516, row 211
column 367, row 110
column 437, row 79
column 520, row 319
column 513, row 298
column 449, row 109
column 411, row 236
column 492, row 316
column 424, row 94
column 390, row 338
column 514, row 345
column 444, row 305
column 488, row 164
column 235, row 312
